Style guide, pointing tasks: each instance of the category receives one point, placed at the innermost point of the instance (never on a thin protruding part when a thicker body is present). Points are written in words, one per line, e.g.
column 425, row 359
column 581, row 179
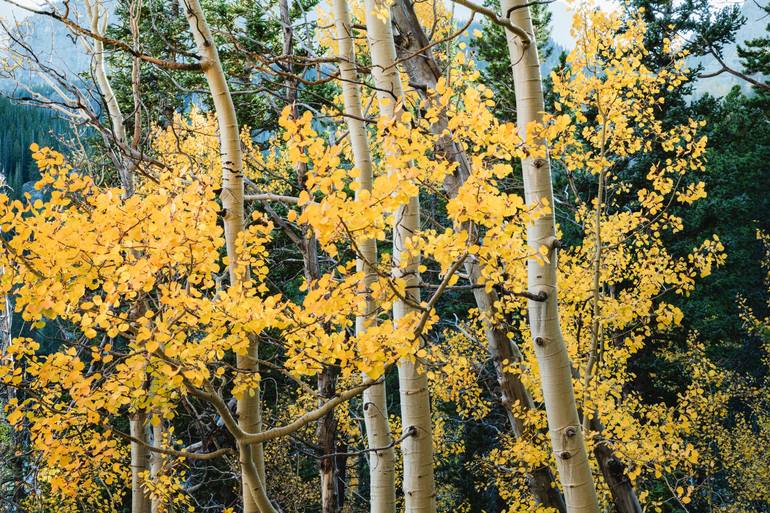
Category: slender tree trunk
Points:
column 140, row 502
column 326, row 428
column 156, row 462
column 424, row 72
column 382, row 491
column 555, row 369
column 6, row 313
column 249, row 407
column 614, row 472
column 98, row 19
column 417, row 449
column 326, row 432
column 596, row 329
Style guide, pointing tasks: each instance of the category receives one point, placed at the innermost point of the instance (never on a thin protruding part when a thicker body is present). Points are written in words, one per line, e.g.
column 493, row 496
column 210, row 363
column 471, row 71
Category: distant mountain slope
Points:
column 51, row 42
column 22, row 126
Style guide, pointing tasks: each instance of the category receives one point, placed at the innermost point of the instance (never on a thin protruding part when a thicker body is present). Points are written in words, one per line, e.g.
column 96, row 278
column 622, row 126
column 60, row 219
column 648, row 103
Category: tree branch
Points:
column 497, row 20
column 109, row 41
column 177, row 454
column 734, row 72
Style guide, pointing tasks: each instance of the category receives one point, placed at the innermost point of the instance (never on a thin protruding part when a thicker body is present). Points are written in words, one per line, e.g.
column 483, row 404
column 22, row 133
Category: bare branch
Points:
column 204, row 456
column 184, row 66
column 497, row 20
column 727, row 69
column 292, row 200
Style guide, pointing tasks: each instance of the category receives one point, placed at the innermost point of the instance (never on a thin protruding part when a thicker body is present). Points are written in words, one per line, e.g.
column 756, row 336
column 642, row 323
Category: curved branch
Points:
column 497, row 20
column 727, row 69
column 244, row 437
column 307, row 418
column 120, row 45
column 177, row 454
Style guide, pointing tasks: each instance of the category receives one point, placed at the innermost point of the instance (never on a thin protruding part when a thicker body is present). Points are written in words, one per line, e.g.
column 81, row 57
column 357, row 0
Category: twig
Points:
column 412, row 431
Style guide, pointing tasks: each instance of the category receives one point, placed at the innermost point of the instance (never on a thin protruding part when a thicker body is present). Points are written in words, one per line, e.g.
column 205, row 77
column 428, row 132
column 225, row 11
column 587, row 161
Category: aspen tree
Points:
column 249, row 407
column 423, row 70
column 382, row 492
column 417, row 449
column 554, row 363
column 97, row 15
column 612, row 468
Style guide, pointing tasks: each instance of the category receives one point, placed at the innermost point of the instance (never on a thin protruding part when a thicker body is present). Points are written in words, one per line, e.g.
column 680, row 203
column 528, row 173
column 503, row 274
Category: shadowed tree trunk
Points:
column 614, row 472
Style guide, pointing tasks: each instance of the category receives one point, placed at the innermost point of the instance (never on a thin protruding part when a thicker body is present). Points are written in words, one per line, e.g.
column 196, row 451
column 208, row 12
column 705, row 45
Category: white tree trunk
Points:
column 98, row 20
column 140, row 503
column 249, row 407
column 381, row 463
column 6, row 315
column 156, row 462
column 417, row 449
column 553, row 360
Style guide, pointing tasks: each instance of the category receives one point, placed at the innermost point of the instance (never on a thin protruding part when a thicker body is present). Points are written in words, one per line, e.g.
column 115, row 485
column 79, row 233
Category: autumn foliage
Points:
column 150, row 323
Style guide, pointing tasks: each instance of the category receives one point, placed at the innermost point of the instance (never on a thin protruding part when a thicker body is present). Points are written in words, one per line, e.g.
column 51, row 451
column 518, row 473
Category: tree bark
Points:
column 424, row 72
column 326, row 432
column 248, row 407
column 98, row 19
column 382, row 490
column 156, row 462
column 554, row 363
column 417, row 449
column 140, row 502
